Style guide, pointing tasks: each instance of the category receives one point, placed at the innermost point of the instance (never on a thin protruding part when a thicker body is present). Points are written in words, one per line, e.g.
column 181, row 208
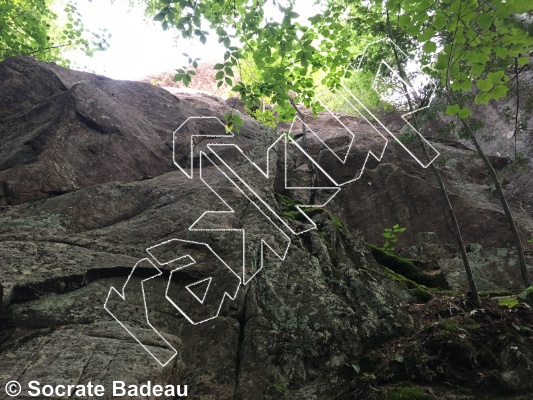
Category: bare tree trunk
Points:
column 451, row 213
column 503, row 200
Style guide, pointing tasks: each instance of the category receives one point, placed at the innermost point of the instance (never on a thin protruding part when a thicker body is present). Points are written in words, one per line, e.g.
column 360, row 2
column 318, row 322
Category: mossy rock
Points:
column 420, row 293
column 406, row 268
column 407, row 393
column 290, row 210
column 495, row 293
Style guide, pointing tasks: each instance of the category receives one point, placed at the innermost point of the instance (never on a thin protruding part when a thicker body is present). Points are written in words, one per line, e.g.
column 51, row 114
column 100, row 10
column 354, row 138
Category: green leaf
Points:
column 398, row 357
column 228, row 80
column 502, row 52
column 404, row 20
column 414, row 31
column 484, row 85
column 464, row 113
column 219, row 75
column 495, row 77
column 523, row 61
column 499, row 92
column 439, row 21
column 160, row 17
column 429, row 47
column 482, row 98
column 477, row 70
column 484, row 20
column 218, row 66
column 426, row 35
column 453, row 110
column 466, row 86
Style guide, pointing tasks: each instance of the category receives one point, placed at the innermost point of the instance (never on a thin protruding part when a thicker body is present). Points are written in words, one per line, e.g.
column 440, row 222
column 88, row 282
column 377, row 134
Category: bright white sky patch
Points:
column 139, row 48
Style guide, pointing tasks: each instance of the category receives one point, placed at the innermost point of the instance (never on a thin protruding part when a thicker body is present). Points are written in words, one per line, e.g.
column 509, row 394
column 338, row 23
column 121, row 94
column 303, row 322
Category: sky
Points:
column 139, row 48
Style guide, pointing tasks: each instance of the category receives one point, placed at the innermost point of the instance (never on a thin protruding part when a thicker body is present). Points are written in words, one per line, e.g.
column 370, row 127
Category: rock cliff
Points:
column 88, row 184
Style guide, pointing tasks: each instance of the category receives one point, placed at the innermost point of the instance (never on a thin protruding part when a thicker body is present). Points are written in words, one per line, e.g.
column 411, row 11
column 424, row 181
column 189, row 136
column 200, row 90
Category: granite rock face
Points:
column 88, row 184
column 90, row 199
column 398, row 190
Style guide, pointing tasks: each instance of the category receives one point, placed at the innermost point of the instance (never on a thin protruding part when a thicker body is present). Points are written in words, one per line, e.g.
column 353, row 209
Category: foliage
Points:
column 266, row 117
column 391, row 238
column 31, row 27
column 465, row 44
column 233, row 122
column 285, row 52
column 360, row 85
column 185, row 74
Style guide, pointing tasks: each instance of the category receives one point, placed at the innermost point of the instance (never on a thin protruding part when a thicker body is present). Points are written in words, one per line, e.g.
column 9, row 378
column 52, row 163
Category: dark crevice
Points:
column 65, row 284
column 240, row 340
column 55, row 193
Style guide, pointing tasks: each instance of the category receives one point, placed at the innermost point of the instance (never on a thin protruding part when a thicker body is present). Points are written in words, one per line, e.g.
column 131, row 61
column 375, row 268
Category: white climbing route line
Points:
column 219, row 280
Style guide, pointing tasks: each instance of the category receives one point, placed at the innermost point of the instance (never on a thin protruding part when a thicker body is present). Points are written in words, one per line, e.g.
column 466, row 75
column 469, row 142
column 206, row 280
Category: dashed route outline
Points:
column 203, row 307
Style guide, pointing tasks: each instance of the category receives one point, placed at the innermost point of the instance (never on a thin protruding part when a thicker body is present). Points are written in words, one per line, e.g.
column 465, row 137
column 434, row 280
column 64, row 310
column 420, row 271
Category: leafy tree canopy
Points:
column 32, row 27
column 463, row 44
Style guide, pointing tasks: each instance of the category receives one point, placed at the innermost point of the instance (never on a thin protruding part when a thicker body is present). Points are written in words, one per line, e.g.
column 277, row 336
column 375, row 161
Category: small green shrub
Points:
column 265, row 117
column 390, row 237
column 233, row 122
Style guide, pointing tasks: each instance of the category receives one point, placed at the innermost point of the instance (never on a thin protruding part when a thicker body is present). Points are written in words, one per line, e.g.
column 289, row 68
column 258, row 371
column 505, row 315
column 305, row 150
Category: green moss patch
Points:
column 407, row 269
column 289, row 207
column 509, row 302
column 419, row 292
column 407, row 393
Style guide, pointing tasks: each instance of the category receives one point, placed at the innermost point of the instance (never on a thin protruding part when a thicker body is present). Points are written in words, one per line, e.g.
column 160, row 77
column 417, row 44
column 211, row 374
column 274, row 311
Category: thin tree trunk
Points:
column 503, row 200
column 451, row 213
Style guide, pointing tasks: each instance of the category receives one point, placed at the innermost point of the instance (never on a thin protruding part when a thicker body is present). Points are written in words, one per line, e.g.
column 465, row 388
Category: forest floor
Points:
column 453, row 352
